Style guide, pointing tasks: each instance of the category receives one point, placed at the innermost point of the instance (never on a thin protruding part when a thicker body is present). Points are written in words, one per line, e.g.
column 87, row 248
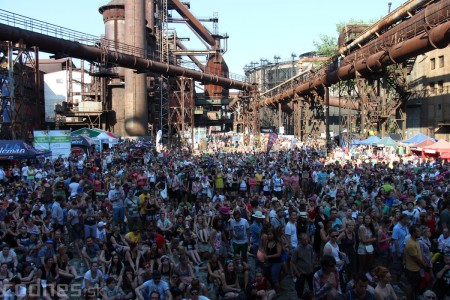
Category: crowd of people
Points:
column 132, row 223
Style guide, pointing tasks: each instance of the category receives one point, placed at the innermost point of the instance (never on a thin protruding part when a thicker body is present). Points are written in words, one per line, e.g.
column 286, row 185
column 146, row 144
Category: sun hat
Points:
column 259, row 215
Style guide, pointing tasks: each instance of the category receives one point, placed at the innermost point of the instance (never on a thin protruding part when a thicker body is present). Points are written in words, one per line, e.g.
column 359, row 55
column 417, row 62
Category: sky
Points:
column 256, row 29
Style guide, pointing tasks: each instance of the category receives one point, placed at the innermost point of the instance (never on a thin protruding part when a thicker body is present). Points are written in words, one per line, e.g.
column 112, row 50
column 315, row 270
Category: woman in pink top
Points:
column 294, row 180
column 383, row 243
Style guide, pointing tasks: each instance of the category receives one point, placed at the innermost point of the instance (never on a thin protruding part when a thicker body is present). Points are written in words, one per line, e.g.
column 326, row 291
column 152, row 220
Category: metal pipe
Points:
column 438, row 37
column 392, row 18
column 90, row 53
column 191, row 57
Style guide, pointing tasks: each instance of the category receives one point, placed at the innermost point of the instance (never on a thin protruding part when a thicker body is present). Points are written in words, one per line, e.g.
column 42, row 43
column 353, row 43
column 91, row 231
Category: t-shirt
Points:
column 135, row 238
column 399, row 233
column 162, row 287
column 291, row 230
column 240, row 230
column 412, row 249
column 92, row 280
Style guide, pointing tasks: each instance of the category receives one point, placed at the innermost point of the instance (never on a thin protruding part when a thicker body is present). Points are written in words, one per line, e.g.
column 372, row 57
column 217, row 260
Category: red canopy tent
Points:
column 440, row 146
column 446, row 155
column 420, row 145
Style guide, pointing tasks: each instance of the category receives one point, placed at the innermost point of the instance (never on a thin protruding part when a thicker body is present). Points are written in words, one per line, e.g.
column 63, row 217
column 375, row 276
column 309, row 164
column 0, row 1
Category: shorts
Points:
column 362, row 250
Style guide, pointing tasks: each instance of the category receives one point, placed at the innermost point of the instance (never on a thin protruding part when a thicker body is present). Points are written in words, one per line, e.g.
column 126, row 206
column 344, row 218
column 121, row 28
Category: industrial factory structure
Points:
column 129, row 100
column 389, row 77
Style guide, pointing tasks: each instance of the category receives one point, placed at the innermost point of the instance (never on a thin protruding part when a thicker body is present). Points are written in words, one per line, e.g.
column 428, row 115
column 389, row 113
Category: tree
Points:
column 328, row 45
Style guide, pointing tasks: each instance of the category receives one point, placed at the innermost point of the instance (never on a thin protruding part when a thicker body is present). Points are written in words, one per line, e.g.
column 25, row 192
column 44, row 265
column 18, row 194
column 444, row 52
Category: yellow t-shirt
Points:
column 142, row 201
column 135, row 238
column 412, row 249
column 258, row 177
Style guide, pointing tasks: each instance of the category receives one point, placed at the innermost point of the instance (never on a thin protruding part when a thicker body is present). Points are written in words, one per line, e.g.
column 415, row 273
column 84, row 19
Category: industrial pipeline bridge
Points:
column 383, row 54
column 380, row 55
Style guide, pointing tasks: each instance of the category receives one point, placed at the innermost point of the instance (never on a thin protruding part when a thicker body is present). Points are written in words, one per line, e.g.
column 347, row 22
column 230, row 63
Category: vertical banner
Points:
column 57, row 141
column 158, row 145
column 272, row 138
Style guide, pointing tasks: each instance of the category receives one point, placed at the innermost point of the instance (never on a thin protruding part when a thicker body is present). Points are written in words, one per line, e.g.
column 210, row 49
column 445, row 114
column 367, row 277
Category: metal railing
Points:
column 34, row 25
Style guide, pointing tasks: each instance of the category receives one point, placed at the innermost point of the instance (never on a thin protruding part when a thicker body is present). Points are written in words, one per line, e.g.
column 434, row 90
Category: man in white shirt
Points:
column 278, row 185
column 24, row 172
column 240, row 230
column 73, row 187
column 291, row 229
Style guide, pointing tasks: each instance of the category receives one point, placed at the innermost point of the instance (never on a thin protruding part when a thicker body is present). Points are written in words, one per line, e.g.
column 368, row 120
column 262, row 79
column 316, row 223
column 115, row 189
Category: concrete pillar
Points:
column 136, row 108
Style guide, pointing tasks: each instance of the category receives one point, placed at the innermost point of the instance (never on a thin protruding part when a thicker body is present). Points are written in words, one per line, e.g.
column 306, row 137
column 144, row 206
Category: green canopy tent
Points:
column 386, row 142
column 92, row 132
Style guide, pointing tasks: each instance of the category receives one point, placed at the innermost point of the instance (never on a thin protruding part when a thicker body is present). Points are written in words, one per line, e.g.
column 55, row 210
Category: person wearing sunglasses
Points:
column 332, row 248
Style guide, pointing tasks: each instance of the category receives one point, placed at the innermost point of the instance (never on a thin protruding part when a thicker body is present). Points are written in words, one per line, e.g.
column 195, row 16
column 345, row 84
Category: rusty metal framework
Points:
column 181, row 109
column 20, row 91
column 377, row 68
column 246, row 118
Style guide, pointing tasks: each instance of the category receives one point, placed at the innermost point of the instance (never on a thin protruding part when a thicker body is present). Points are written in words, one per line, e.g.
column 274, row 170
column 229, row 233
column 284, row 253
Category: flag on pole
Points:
column 272, row 138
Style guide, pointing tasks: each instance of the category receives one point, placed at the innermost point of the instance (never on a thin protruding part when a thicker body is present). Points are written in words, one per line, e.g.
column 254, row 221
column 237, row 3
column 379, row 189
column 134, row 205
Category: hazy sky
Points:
column 256, row 29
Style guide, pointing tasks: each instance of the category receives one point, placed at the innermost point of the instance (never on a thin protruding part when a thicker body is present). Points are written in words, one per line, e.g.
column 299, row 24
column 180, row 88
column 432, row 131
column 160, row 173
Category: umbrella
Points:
column 107, row 138
column 82, row 140
column 92, row 132
column 17, row 149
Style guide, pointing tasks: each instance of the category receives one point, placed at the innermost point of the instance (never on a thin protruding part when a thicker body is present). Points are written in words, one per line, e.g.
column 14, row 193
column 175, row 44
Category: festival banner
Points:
column 272, row 138
column 57, row 141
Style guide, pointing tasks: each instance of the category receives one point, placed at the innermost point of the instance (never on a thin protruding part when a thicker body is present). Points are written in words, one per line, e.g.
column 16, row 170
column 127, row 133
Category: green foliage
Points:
column 326, row 46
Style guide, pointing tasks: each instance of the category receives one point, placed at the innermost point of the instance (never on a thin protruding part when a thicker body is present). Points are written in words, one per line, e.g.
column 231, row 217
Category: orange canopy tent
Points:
column 419, row 146
column 445, row 155
column 440, row 146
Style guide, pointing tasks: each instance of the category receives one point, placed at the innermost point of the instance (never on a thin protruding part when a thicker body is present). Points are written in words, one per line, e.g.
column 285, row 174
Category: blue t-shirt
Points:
column 162, row 287
column 389, row 201
column 399, row 233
